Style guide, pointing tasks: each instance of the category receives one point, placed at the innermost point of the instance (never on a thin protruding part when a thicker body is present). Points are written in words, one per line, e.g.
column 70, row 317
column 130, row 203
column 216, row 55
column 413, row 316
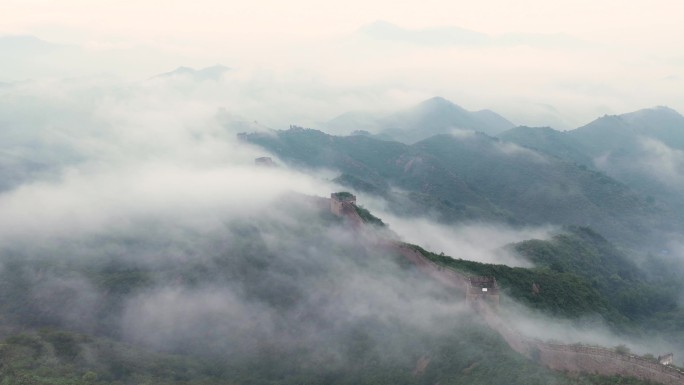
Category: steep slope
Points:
column 267, row 300
column 495, row 122
column 288, row 295
column 626, row 287
column 549, row 141
column 538, row 189
column 644, row 149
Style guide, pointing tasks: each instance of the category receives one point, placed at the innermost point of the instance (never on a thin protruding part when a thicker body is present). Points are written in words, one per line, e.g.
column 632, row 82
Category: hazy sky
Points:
column 559, row 62
column 217, row 23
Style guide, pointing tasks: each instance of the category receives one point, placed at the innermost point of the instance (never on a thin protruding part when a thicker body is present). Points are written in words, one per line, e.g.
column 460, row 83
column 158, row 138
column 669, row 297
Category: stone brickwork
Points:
column 580, row 358
column 342, row 204
column 560, row 357
column 482, row 289
column 598, row 360
column 448, row 277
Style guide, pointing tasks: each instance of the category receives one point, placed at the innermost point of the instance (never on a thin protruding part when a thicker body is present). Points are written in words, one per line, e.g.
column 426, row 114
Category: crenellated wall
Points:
column 580, row 358
column 597, row 360
column 340, row 204
column 560, row 357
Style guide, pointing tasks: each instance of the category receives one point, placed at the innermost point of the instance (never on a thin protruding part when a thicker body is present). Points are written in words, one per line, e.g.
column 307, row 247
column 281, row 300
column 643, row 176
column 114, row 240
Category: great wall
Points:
column 571, row 358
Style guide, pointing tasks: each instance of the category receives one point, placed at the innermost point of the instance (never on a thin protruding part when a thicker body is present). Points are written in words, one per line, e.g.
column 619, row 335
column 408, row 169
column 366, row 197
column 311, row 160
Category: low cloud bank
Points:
column 480, row 242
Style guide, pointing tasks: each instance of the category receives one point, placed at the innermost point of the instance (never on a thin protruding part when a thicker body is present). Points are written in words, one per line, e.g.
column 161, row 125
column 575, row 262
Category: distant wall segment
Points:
column 560, row 357
column 597, row 360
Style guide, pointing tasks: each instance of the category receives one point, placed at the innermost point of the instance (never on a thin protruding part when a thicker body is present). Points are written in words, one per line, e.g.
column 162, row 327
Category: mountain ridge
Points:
column 472, row 176
column 214, row 72
column 432, row 116
column 643, row 149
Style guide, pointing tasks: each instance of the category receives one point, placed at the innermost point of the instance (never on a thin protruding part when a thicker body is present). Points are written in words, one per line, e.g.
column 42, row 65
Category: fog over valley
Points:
column 371, row 194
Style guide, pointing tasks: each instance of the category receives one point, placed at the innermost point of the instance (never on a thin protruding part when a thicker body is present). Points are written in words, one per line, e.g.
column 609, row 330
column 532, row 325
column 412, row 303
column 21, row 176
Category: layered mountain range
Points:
column 468, row 175
column 165, row 255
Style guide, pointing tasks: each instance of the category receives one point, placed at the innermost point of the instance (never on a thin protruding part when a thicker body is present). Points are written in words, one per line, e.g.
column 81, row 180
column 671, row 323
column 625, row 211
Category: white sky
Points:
column 637, row 46
column 259, row 20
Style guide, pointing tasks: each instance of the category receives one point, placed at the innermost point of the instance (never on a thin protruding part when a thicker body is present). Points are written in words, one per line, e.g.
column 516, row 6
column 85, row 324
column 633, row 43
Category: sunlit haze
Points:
column 535, row 62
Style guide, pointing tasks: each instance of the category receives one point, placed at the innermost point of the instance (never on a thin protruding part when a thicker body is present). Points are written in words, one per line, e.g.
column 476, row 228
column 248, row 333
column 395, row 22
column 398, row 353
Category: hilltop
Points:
column 430, row 117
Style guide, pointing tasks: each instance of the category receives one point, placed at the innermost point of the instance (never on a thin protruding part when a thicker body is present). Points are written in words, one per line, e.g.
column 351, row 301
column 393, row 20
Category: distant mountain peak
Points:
column 208, row 73
column 654, row 117
column 438, row 101
column 432, row 116
column 624, row 133
column 437, row 104
column 438, row 115
column 661, row 110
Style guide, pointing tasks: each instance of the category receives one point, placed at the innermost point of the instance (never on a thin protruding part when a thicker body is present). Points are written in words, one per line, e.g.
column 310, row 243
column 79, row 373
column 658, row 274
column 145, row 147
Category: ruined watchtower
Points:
column 340, row 202
column 482, row 289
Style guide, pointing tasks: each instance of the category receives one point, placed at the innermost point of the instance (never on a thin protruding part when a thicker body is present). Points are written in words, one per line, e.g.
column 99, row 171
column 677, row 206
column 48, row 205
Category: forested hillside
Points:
column 642, row 149
column 472, row 176
column 315, row 303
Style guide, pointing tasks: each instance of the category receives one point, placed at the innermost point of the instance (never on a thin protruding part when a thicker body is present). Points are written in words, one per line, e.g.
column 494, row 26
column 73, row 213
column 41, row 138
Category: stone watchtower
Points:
column 666, row 359
column 340, row 202
column 482, row 289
